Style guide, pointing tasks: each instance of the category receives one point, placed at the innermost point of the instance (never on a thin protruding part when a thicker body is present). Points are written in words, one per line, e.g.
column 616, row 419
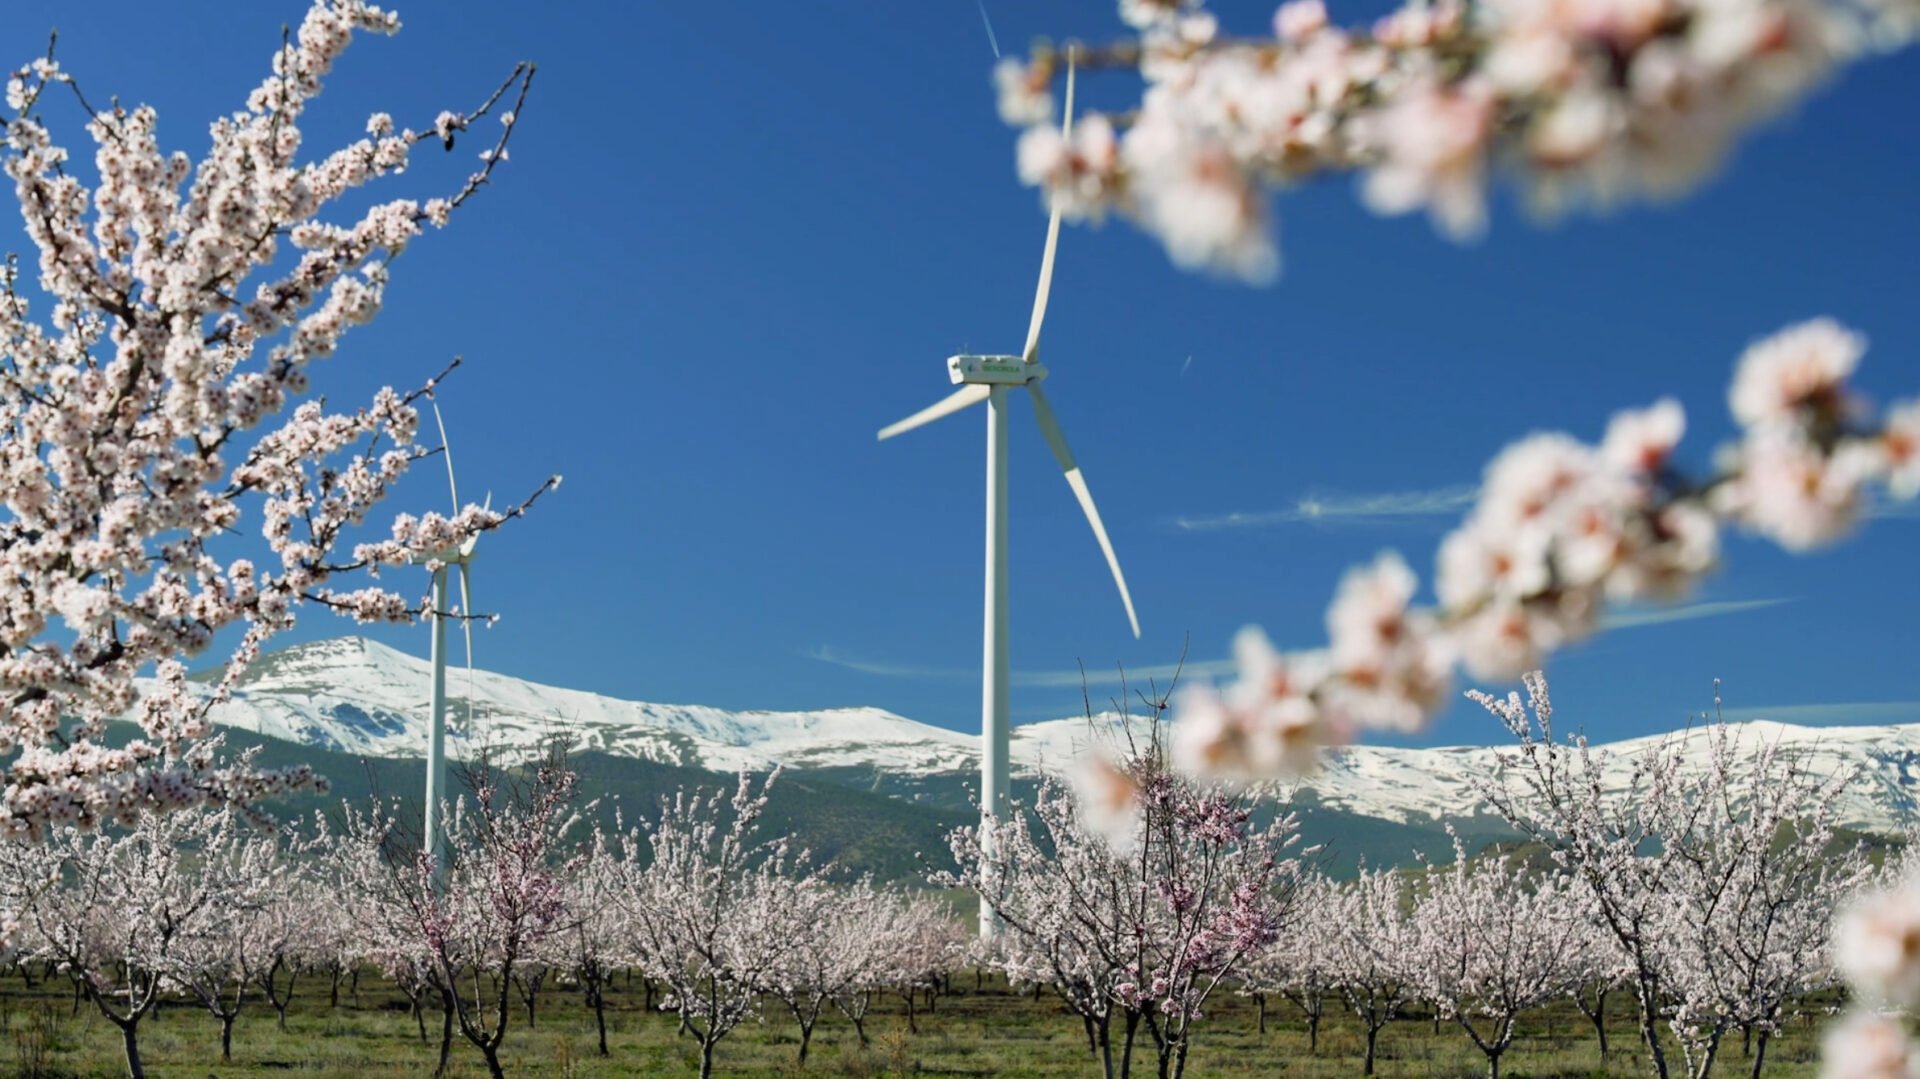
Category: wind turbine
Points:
column 988, row 378
column 461, row 556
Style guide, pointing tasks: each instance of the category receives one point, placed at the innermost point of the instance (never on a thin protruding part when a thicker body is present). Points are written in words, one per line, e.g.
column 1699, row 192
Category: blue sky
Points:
column 734, row 240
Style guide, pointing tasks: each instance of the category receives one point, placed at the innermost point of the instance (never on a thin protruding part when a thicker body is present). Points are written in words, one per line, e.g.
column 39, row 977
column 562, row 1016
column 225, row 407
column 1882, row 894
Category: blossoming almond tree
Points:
column 699, row 887
column 1712, row 883
column 252, row 932
column 1373, row 950
column 1143, row 916
column 504, row 899
column 123, row 911
column 154, row 353
column 1299, row 964
column 1492, row 941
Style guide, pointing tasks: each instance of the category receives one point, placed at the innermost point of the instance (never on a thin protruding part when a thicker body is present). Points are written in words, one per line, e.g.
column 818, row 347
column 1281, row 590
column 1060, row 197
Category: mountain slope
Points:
column 363, row 699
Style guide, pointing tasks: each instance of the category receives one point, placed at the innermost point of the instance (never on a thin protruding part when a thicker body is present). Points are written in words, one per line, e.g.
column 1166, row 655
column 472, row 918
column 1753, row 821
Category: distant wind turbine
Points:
column 988, row 378
column 461, row 556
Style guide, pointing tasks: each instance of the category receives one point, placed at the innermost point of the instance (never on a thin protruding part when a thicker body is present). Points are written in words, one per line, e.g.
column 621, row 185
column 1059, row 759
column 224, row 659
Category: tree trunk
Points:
column 1650, row 1032
column 1313, row 1032
column 1599, row 1017
column 597, row 996
column 333, row 991
column 1706, row 1059
column 1493, row 1066
column 490, row 1052
column 226, row 1038
column 529, row 989
column 1260, row 1009
column 1373, row 1035
column 706, row 1059
column 1760, row 1055
column 1126, row 1049
column 446, row 1033
column 129, row 1040
column 806, row 1040
column 912, row 1026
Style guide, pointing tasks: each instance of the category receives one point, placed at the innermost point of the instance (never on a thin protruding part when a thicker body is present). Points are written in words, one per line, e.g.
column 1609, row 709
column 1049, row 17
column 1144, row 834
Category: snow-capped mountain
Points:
column 361, row 697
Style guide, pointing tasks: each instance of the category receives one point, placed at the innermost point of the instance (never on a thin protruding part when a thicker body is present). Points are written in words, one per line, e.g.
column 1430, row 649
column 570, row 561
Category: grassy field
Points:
column 990, row 1032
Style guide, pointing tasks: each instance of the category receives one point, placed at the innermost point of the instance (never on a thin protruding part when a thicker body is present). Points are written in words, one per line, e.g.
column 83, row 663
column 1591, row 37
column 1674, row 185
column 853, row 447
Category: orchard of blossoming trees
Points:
column 156, row 393
column 1140, row 924
column 212, row 911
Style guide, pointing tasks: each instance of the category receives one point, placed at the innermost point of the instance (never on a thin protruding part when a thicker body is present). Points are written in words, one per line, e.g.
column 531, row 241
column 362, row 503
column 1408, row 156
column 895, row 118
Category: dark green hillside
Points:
column 862, row 819
column 859, row 831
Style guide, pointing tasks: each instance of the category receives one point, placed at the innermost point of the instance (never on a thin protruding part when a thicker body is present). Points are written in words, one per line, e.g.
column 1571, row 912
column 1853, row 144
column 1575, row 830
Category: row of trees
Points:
column 721, row 925
column 1699, row 876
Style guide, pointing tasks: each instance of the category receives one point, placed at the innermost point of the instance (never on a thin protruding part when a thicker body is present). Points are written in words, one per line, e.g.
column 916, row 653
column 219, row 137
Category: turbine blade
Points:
column 446, row 450
column 466, row 626
column 1032, row 351
column 1050, row 427
column 971, row 394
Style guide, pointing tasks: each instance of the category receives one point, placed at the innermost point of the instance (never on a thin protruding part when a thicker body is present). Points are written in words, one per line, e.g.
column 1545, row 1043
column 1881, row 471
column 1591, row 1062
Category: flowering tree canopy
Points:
column 148, row 364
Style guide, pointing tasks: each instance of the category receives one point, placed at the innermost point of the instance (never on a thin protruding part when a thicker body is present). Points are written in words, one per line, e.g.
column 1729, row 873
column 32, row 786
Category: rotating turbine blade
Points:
column 1032, row 352
column 971, row 394
column 1050, row 427
column 446, row 450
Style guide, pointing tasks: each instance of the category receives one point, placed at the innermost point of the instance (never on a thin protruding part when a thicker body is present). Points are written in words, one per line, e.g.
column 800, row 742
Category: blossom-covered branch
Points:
column 144, row 414
column 1561, row 530
column 1582, row 102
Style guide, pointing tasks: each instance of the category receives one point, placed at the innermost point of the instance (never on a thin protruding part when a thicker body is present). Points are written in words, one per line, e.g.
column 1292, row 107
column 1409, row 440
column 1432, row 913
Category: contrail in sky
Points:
column 988, row 23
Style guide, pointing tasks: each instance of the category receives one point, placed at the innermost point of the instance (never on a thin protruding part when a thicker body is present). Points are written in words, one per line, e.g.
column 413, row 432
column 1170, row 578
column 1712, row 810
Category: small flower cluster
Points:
column 1876, row 945
column 1586, row 101
column 146, row 412
column 1561, row 530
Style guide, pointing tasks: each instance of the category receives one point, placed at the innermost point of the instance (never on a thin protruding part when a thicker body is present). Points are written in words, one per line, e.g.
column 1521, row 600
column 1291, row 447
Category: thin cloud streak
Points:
column 1093, row 676
column 1833, row 713
column 1328, row 509
column 988, row 23
column 1216, row 668
column 1633, row 618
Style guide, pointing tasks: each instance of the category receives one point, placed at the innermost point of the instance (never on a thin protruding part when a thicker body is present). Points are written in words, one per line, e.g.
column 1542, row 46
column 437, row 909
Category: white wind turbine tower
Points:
column 461, row 556
column 988, row 378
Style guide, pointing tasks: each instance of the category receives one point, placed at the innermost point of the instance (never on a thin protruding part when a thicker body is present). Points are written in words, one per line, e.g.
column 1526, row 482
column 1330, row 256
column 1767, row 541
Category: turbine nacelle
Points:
column 993, row 370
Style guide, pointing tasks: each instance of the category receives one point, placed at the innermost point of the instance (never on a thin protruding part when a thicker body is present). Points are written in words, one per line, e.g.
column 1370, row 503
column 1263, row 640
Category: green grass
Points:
column 990, row 1032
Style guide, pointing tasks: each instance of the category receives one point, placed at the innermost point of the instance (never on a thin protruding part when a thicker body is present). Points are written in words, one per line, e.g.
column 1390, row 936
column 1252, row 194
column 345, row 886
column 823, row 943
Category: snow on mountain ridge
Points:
column 362, row 697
